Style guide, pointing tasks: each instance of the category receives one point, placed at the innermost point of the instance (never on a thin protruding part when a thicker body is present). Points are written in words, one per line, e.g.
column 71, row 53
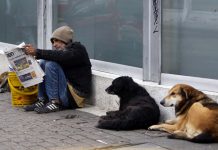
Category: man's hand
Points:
column 29, row 49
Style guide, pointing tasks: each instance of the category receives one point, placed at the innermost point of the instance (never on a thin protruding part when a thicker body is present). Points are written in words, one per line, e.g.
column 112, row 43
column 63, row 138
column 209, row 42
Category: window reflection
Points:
column 189, row 38
column 20, row 21
column 110, row 29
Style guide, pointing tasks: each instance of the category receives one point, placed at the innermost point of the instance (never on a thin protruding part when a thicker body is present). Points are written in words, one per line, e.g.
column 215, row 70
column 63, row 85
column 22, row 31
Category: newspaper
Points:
column 25, row 66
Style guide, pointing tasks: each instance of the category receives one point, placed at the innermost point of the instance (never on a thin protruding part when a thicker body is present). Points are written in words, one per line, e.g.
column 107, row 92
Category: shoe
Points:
column 51, row 106
column 40, row 103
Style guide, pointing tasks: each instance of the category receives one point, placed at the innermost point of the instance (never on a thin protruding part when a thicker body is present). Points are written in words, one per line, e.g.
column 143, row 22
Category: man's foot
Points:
column 40, row 103
column 51, row 106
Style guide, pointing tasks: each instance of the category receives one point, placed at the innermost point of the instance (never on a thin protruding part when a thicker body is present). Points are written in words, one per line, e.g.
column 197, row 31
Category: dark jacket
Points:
column 75, row 63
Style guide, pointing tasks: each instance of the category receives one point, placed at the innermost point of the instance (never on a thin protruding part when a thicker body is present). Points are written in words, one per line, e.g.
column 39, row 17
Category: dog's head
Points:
column 181, row 94
column 121, row 85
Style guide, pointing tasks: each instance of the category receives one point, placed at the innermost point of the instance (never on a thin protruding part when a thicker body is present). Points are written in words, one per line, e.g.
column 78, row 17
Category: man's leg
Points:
column 42, row 97
column 41, row 86
column 55, row 87
column 56, row 83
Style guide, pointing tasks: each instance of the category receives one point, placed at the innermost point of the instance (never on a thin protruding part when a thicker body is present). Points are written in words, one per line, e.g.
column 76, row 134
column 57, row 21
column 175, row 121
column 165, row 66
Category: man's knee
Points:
column 42, row 63
column 51, row 65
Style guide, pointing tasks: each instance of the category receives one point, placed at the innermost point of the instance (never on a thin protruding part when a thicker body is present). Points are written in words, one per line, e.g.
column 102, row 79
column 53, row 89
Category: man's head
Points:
column 61, row 37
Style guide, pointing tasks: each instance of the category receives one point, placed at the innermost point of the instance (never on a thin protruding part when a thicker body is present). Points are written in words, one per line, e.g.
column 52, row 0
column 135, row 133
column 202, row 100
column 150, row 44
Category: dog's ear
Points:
column 127, row 78
column 184, row 93
column 130, row 78
column 130, row 85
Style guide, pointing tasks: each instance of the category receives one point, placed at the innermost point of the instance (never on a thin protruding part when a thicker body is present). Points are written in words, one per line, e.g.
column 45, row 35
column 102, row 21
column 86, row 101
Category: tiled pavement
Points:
column 75, row 130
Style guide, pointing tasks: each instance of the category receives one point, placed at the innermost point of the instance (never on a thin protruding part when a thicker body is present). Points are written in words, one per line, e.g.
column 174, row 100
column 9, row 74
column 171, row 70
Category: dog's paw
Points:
column 105, row 117
column 98, row 126
column 111, row 113
column 101, row 124
column 100, row 121
column 170, row 122
column 177, row 135
column 171, row 136
column 154, row 128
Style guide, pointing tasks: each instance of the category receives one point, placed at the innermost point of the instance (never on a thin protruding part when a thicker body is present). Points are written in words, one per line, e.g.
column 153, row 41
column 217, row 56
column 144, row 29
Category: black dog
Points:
column 138, row 110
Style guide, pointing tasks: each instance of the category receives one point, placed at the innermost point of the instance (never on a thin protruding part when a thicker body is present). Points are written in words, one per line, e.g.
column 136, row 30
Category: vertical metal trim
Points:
column 152, row 40
column 40, row 24
column 146, row 39
column 156, row 41
column 48, row 23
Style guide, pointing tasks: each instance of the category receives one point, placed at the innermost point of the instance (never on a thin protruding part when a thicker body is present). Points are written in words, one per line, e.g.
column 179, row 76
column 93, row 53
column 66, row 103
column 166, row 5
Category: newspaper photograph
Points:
column 26, row 67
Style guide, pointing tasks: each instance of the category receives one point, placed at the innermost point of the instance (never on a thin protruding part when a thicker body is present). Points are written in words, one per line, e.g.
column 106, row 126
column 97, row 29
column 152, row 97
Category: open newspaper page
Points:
column 26, row 67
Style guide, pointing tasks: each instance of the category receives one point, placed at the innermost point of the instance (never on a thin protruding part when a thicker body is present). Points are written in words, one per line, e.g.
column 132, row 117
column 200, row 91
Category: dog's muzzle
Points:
column 109, row 91
column 106, row 90
column 162, row 102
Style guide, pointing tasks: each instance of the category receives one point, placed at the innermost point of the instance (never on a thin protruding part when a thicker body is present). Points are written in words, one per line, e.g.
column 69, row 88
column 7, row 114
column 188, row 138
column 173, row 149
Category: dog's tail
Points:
column 201, row 138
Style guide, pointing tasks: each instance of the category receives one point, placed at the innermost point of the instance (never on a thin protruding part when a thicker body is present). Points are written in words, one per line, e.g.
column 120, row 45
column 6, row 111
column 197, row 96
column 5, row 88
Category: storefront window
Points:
column 190, row 38
column 110, row 29
column 18, row 21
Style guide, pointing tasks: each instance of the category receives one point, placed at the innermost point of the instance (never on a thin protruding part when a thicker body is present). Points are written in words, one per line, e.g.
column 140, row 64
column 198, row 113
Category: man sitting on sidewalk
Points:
column 67, row 80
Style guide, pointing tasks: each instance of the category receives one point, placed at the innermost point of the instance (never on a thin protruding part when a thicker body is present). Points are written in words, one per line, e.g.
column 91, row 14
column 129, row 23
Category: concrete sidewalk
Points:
column 75, row 130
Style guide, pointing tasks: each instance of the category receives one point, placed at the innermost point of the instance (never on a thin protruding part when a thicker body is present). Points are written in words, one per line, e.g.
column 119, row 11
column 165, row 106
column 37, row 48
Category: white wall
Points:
column 107, row 102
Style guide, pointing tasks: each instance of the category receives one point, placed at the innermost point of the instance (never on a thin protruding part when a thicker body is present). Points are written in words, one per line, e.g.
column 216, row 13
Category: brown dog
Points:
column 196, row 115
